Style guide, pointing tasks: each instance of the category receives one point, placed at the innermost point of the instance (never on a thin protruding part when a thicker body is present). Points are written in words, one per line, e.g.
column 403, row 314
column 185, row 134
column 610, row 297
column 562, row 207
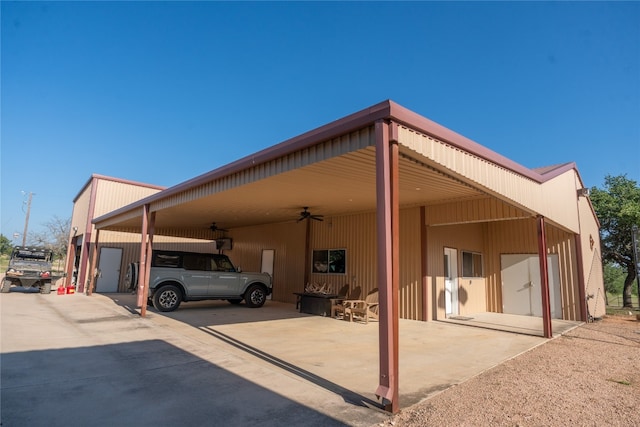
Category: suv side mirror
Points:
column 238, row 269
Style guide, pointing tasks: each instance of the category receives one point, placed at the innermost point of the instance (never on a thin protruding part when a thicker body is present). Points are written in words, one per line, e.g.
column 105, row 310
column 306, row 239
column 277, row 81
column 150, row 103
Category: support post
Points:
column 544, row 279
column 148, row 256
column 388, row 275
column 144, row 230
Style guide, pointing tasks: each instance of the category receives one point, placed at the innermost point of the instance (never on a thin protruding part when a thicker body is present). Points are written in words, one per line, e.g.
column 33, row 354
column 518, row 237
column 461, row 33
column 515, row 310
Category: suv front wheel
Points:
column 255, row 296
column 167, row 298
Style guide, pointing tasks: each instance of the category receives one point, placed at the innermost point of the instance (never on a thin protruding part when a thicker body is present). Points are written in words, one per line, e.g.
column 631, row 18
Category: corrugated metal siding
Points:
column 495, row 179
column 329, row 149
column 479, row 210
column 288, row 242
column 112, row 195
column 357, row 234
column 81, row 210
column 468, row 237
column 592, row 260
column 410, row 265
column 513, row 237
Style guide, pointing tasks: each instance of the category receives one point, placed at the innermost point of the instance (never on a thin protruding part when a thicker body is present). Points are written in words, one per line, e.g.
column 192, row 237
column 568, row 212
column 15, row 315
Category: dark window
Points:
column 331, row 261
column 166, row 260
column 471, row 264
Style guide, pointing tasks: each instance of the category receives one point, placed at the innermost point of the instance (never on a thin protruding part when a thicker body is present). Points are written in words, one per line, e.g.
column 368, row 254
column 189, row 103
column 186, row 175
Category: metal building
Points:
column 441, row 225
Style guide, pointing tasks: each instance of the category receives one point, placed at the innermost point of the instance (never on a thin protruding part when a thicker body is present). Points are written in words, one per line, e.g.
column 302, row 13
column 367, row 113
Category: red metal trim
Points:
column 386, row 110
column 86, row 237
column 582, row 289
column 395, row 270
column 71, row 257
column 120, row 180
column 544, row 279
column 387, row 389
column 424, row 263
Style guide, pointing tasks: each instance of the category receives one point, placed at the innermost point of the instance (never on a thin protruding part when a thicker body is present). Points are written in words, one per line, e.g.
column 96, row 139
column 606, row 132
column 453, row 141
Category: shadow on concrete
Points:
column 348, row 395
column 144, row 383
column 216, row 312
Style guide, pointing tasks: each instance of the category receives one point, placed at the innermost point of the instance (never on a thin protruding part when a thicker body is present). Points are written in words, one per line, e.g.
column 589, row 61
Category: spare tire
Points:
column 131, row 276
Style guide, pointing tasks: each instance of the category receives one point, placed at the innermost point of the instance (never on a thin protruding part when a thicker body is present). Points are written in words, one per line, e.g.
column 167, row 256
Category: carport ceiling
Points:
column 338, row 186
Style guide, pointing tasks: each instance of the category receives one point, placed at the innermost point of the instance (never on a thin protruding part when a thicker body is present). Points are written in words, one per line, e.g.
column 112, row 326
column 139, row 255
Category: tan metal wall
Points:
column 288, row 242
column 592, row 259
column 550, row 199
column 467, row 237
column 112, row 195
column 520, row 236
column 81, row 210
column 478, row 210
column 357, row 234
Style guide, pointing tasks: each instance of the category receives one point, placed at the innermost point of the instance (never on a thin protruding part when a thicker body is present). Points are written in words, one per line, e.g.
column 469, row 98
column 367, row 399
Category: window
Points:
column 329, row 261
column 471, row 264
column 166, row 260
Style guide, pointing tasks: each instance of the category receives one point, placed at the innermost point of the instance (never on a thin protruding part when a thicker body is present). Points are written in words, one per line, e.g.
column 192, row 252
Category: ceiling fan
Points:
column 214, row 227
column 305, row 214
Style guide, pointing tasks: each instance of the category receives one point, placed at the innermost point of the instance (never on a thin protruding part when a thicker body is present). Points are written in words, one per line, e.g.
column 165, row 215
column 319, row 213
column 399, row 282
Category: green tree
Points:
column 617, row 206
column 5, row 245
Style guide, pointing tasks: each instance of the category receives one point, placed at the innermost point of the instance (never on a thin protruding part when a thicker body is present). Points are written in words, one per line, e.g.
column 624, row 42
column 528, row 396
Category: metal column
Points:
column 388, row 274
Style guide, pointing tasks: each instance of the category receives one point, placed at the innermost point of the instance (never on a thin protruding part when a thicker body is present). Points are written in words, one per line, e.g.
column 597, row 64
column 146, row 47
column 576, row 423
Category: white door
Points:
column 521, row 285
column 268, row 256
column 109, row 267
column 450, row 281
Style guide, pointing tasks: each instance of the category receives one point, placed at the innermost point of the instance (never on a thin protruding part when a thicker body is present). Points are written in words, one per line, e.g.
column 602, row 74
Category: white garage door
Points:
column 521, row 285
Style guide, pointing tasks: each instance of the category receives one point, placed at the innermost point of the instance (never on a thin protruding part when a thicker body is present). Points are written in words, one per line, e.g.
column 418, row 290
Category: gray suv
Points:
column 189, row 276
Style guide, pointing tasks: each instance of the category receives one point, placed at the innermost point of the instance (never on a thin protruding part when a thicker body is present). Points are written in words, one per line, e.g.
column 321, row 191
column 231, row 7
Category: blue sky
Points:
column 160, row 92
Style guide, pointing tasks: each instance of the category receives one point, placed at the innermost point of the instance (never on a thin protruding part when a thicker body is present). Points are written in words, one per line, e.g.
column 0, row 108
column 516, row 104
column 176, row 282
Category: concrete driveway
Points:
column 79, row 360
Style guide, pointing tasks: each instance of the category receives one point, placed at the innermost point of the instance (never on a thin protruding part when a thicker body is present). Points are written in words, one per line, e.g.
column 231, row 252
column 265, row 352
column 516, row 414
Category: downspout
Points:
column 544, row 279
column 387, row 255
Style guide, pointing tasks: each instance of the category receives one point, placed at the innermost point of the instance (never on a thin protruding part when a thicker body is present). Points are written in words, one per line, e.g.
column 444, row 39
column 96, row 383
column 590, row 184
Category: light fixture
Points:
column 584, row 192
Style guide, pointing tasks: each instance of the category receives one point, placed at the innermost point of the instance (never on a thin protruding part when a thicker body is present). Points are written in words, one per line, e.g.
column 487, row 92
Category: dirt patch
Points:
column 589, row 376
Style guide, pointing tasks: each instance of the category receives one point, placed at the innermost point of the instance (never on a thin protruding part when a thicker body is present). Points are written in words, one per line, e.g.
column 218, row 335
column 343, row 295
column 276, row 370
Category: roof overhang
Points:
column 330, row 169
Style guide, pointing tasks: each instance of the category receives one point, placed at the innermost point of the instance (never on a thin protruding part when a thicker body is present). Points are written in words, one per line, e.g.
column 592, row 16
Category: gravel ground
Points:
column 587, row 377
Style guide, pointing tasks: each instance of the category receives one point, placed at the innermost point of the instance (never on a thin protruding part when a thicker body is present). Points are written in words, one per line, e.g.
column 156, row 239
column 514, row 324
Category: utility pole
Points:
column 26, row 220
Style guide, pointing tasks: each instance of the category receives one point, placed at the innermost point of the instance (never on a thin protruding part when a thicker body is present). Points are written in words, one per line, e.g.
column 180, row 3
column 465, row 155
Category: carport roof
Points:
column 330, row 182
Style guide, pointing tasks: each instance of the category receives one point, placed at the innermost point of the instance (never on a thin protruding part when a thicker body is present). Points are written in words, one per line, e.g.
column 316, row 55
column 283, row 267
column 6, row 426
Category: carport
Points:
column 381, row 163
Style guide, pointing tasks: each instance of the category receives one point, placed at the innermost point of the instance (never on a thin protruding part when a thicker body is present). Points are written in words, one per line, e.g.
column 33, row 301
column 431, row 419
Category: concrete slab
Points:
column 74, row 360
column 528, row 325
